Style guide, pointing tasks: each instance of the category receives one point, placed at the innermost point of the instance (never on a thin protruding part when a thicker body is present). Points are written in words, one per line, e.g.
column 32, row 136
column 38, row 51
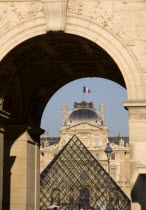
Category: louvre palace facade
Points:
column 87, row 124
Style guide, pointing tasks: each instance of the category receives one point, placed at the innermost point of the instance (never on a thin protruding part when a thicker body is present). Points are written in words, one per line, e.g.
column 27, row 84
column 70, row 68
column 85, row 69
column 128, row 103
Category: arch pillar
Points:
column 21, row 168
column 3, row 117
column 137, row 138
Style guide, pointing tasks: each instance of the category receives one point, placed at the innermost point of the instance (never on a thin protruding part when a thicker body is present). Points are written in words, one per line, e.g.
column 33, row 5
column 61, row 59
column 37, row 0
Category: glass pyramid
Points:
column 75, row 180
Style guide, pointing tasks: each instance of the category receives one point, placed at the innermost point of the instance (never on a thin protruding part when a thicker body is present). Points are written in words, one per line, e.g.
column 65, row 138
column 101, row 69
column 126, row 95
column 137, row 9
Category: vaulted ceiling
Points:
column 34, row 70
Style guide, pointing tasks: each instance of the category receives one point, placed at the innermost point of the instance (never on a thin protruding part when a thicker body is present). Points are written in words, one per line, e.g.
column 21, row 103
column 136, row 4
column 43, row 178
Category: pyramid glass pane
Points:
column 76, row 180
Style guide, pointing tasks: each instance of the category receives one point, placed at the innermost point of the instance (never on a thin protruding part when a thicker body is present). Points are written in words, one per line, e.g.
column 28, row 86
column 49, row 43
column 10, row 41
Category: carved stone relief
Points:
column 13, row 13
column 126, row 20
column 112, row 15
column 137, row 113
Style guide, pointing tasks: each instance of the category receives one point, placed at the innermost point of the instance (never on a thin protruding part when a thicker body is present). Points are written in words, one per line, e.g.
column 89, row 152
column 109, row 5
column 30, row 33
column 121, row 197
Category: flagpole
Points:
column 83, row 92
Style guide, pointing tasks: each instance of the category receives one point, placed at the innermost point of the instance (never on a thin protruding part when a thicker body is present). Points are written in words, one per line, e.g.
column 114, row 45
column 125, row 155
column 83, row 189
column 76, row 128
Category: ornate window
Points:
column 97, row 141
column 113, row 157
column 113, row 173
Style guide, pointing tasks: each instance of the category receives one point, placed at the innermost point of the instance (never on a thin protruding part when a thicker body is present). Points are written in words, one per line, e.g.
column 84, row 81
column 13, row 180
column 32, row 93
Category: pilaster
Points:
column 3, row 117
column 137, row 137
column 21, row 171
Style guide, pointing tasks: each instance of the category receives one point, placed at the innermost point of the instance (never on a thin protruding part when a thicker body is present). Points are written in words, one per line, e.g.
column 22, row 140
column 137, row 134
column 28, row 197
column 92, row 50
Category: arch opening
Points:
column 38, row 67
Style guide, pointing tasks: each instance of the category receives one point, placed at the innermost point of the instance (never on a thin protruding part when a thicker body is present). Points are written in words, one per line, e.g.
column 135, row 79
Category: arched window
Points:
column 113, row 157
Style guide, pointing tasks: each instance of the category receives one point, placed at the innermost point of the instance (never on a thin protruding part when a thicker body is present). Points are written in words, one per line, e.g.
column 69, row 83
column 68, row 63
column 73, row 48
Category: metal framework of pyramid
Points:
column 76, row 180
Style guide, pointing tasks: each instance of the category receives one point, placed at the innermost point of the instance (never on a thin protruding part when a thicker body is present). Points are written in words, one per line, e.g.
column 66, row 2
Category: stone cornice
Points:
column 134, row 103
column 102, row 127
column 137, row 109
column 141, row 167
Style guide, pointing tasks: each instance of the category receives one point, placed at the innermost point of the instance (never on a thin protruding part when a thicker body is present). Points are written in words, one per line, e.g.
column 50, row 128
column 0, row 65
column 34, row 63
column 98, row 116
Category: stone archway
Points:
column 94, row 21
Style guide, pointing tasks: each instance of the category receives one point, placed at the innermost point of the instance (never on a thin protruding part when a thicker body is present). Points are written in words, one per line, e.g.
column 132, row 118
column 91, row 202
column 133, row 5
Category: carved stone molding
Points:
column 23, row 133
column 111, row 15
column 137, row 113
column 126, row 20
column 55, row 13
column 137, row 109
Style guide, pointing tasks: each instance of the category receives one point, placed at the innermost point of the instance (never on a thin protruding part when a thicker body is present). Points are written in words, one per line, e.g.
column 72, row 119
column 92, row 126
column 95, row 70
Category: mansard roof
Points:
column 83, row 104
column 83, row 111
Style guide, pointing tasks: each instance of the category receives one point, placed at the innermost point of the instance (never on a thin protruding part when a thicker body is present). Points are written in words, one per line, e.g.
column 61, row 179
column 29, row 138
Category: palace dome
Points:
column 83, row 112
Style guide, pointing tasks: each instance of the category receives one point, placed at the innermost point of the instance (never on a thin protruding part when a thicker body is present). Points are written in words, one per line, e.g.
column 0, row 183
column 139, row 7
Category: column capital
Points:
column 23, row 132
column 34, row 133
column 137, row 109
column 35, row 130
column 27, row 127
column 134, row 103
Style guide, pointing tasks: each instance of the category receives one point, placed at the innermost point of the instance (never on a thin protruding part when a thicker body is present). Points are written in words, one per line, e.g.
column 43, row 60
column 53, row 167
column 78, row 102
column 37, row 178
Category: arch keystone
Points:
column 55, row 13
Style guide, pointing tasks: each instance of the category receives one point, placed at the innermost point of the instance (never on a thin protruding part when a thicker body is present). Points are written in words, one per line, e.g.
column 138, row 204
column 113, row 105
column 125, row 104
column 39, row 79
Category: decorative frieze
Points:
column 14, row 13
column 137, row 113
column 137, row 109
column 112, row 15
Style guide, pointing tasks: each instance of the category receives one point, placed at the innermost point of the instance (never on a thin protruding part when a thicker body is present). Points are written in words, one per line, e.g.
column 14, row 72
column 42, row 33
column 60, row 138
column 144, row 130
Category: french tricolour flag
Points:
column 86, row 90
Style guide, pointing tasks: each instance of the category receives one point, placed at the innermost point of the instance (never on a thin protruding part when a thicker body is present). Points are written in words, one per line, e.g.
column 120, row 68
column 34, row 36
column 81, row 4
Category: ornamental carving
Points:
column 113, row 16
column 137, row 113
column 12, row 13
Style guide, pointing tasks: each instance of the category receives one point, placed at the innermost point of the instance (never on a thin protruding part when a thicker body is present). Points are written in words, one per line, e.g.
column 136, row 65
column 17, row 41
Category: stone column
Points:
column 137, row 137
column 3, row 117
column 102, row 112
column 64, row 113
column 21, row 171
column 37, row 177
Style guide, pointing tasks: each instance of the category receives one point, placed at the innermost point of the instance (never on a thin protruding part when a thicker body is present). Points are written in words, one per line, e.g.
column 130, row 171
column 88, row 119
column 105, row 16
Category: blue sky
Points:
column 102, row 92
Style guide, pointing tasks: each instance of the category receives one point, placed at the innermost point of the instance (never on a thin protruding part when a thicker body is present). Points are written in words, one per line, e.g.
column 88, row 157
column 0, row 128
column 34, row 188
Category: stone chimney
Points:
column 102, row 112
column 64, row 113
